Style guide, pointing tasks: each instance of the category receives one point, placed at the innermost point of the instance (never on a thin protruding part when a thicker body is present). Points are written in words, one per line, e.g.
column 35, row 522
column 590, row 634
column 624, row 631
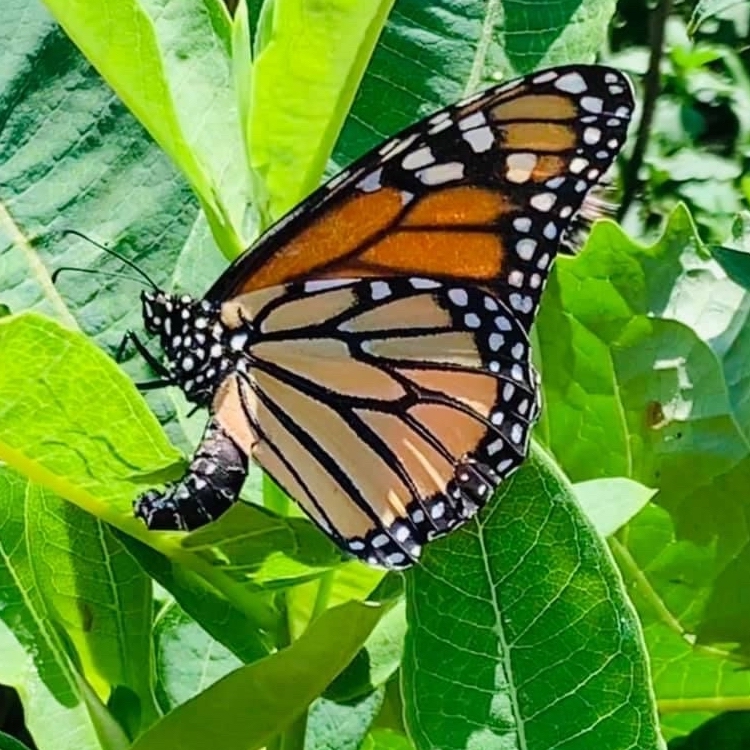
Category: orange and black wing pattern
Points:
column 481, row 191
column 372, row 353
column 389, row 409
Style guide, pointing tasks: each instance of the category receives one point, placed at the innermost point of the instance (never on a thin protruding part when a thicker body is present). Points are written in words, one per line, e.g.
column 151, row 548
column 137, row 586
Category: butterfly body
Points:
column 372, row 352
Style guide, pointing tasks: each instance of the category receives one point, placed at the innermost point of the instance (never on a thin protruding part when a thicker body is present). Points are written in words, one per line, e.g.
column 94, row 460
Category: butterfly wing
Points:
column 371, row 352
column 389, row 409
column 481, row 191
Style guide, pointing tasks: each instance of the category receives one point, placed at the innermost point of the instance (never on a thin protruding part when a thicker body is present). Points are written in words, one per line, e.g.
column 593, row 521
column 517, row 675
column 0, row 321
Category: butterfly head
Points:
column 194, row 340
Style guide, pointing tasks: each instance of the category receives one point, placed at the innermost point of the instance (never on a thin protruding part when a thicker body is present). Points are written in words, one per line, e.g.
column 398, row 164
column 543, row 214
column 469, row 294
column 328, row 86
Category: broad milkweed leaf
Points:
column 282, row 686
column 173, row 71
column 301, row 92
column 483, row 42
column 526, row 613
column 650, row 351
column 610, row 503
column 10, row 743
column 188, row 659
column 62, row 711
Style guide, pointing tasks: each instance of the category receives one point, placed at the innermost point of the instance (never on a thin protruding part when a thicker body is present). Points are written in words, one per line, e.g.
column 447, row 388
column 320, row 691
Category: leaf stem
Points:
column 652, row 88
column 293, row 737
column 325, row 584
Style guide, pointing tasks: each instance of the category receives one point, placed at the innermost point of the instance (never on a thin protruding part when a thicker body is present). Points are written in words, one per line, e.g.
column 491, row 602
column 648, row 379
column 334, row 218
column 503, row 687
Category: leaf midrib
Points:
column 504, row 651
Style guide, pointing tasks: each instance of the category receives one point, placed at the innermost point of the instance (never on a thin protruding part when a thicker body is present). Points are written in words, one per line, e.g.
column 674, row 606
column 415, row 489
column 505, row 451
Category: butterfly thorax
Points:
column 200, row 349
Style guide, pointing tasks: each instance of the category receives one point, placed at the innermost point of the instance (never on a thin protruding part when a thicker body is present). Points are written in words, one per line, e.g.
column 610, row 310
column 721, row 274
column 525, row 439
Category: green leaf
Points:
column 735, row 262
column 10, row 743
column 310, row 60
column 728, row 731
column 281, row 687
column 173, row 71
column 378, row 660
column 99, row 596
column 96, row 446
column 61, row 711
column 241, row 621
column 684, row 587
column 386, row 739
column 620, row 326
column 525, row 612
column 432, row 54
column 644, row 353
column 610, row 503
column 342, row 726
column 705, row 9
column 101, row 447
column 188, row 660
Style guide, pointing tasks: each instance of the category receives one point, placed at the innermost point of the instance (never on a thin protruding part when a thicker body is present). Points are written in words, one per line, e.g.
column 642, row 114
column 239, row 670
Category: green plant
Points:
column 259, row 634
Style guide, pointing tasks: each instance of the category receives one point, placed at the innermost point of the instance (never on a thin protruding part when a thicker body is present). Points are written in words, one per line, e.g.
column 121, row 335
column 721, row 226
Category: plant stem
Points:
column 323, row 594
column 293, row 737
column 652, row 87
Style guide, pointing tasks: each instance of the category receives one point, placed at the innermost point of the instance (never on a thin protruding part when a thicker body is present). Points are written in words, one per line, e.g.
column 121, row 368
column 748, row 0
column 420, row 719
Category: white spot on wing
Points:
column 571, row 83
column 515, row 278
column 522, row 223
column 438, row 174
column 472, row 320
column 525, row 248
column 592, row 135
column 578, row 164
column 548, row 75
column 543, row 201
column 496, row 341
column 494, row 447
column 592, row 104
column 418, row 283
column 440, row 117
column 379, row 290
column 480, row 140
column 397, row 145
column 321, row 285
column 335, row 181
column 520, row 166
column 458, row 297
column 475, row 120
column 422, row 157
column 371, row 182
column 440, row 126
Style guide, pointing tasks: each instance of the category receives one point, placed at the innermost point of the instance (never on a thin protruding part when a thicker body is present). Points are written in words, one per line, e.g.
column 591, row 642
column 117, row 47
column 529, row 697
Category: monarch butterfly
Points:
column 371, row 352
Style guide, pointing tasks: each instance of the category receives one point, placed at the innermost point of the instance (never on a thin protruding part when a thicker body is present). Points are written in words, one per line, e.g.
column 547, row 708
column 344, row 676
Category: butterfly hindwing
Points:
column 392, row 416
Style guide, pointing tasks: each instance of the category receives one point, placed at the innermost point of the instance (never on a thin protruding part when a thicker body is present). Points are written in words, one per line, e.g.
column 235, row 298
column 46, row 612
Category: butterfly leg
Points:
column 151, row 360
column 149, row 385
column 210, row 486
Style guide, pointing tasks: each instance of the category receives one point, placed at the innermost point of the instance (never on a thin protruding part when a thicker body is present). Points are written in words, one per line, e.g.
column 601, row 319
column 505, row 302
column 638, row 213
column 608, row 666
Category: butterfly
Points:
column 371, row 351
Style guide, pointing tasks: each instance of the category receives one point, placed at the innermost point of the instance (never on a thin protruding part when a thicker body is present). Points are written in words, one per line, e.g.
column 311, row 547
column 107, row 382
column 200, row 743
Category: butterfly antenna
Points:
column 109, row 251
column 98, row 271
